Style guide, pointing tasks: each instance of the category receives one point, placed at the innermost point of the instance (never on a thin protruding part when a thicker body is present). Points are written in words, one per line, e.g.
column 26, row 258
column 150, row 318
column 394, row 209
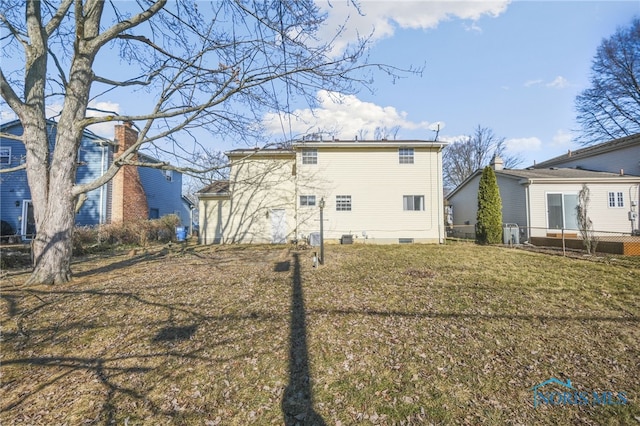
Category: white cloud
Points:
column 559, row 83
column 345, row 117
column 7, row 114
column 530, row 83
column 562, row 139
column 382, row 18
column 521, row 145
column 99, row 109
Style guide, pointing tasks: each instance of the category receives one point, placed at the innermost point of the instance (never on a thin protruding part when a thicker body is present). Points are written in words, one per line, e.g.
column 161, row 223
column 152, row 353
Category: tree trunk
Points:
column 52, row 247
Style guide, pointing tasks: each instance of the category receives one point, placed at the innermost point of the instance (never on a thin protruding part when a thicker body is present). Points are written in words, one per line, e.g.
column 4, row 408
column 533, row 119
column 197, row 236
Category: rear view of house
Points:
column 371, row 191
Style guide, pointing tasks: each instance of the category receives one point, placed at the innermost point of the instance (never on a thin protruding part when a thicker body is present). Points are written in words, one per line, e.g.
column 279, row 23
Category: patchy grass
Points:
column 411, row 334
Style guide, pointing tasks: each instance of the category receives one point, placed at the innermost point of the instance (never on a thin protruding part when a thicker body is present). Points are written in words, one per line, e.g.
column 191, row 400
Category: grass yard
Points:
column 409, row 334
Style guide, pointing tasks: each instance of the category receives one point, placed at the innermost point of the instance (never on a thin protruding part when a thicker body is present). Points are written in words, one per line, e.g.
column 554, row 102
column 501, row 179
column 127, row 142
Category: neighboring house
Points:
column 618, row 156
column 135, row 192
column 542, row 202
column 374, row 191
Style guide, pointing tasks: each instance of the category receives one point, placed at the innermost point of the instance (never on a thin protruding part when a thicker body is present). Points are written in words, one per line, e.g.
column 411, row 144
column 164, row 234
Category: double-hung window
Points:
column 309, row 156
column 413, row 202
column 308, row 200
column 405, row 155
column 5, row 156
column 616, row 199
column 343, row 203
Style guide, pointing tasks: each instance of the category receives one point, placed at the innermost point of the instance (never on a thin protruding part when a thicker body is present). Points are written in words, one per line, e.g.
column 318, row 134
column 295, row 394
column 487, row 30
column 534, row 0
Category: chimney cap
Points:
column 497, row 163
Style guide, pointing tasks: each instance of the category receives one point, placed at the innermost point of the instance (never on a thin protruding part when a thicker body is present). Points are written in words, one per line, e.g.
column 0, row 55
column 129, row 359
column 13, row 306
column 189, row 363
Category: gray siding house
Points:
column 542, row 202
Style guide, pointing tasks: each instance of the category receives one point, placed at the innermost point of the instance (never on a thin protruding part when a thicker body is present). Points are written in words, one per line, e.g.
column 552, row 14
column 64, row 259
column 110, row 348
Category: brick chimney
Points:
column 129, row 202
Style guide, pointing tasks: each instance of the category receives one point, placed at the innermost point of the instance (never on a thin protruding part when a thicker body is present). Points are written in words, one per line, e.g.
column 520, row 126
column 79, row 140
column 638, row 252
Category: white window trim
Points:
column 564, row 213
column 7, row 156
column 413, row 202
column 307, row 204
column 309, row 156
column 406, row 158
column 343, row 201
column 618, row 199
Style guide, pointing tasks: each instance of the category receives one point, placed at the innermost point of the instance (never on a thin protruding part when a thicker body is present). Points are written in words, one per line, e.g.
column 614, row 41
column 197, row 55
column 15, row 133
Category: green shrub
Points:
column 489, row 218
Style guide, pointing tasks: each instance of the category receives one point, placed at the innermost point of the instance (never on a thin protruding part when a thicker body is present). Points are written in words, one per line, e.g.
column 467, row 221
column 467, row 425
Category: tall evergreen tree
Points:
column 489, row 217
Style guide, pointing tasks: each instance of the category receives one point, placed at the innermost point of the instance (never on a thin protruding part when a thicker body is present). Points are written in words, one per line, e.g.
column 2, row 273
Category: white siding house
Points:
column 374, row 191
column 543, row 201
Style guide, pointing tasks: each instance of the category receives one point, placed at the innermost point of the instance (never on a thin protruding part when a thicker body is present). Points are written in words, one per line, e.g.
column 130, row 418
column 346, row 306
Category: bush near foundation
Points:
column 139, row 233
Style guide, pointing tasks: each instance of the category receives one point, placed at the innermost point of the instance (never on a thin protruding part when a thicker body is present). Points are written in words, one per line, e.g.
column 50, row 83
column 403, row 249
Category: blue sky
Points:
column 512, row 66
column 515, row 67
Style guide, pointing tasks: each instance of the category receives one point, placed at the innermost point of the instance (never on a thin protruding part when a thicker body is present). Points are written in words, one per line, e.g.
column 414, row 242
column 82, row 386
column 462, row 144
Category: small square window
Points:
column 168, row 175
column 616, row 199
column 309, row 156
column 405, row 155
column 308, row 200
column 413, row 202
column 5, row 156
column 343, row 203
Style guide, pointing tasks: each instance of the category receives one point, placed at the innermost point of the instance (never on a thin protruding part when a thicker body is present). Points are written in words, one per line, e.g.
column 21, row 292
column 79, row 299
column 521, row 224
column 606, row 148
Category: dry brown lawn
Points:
column 237, row 335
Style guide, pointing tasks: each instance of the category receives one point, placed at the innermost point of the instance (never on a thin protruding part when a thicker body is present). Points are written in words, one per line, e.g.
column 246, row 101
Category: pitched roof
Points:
column 85, row 133
column 590, row 151
column 555, row 173
column 216, row 187
column 551, row 175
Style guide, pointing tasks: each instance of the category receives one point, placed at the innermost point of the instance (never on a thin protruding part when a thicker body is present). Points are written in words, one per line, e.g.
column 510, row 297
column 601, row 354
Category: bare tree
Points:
column 585, row 225
column 610, row 107
column 193, row 67
column 462, row 158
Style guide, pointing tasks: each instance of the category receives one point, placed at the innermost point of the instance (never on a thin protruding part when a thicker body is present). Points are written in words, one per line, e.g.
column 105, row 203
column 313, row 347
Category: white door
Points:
column 278, row 226
column 28, row 226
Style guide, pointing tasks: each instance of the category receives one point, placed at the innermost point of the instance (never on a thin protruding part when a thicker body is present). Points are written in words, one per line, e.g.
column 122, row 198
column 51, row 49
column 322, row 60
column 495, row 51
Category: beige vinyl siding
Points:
column 604, row 218
column 259, row 184
column 213, row 218
column 376, row 182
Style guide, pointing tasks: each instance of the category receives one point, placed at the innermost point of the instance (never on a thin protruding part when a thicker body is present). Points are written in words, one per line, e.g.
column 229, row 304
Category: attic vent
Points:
column 405, row 240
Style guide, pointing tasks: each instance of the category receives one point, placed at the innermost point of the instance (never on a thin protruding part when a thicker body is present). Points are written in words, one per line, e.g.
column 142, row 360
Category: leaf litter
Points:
column 418, row 334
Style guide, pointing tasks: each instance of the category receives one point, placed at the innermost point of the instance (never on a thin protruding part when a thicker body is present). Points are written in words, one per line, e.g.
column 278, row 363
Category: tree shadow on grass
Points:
column 120, row 373
column 297, row 401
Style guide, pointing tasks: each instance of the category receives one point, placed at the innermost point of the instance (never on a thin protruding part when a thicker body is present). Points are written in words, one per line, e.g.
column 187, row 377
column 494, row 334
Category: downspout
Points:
column 102, row 206
column 527, row 203
column 440, row 195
